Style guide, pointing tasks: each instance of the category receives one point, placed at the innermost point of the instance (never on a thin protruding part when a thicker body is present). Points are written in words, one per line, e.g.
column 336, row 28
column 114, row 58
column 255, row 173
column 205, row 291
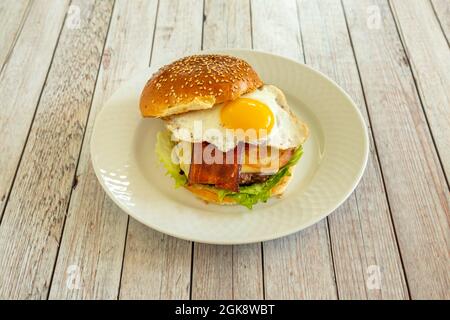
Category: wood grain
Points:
column 212, row 276
column 95, row 229
column 415, row 183
column 227, row 272
column 442, row 10
column 429, row 57
column 20, row 93
column 248, row 281
column 157, row 265
column 298, row 266
column 227, row 24
column 12, row 17
column 361, row 230
column 56, row 222
column 178, row 30
column 34, row 216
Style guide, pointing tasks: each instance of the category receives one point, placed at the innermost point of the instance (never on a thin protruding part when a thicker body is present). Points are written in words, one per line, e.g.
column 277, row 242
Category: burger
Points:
column 229, row 138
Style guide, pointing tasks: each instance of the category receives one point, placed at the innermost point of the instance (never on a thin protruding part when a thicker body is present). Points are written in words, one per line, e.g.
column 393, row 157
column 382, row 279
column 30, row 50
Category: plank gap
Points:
column 416, row 85
column 441, row 23
column 154, row 33
column 380, row 167
column 18, row 164
column 18, row 33
column 79, row 151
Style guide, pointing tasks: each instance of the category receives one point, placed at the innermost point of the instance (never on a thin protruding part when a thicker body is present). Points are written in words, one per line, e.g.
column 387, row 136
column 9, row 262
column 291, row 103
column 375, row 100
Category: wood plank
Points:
column 415, row 183
column 157, row 265
column 179, row 30
column 95, row 229
column 12, row 17
column 227, row 272
column 212, row 276
column 248, row 281
column 429, row 56
column 31, row 228
column 361, row 230
column 20, row 93
column 227, row 24
column 442, row 10
column 299, row 266
column 275, row 28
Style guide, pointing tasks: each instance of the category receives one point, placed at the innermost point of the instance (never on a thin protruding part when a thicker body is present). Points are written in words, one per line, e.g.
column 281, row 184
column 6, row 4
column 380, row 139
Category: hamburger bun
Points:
column 197, row 82
column 210, row 195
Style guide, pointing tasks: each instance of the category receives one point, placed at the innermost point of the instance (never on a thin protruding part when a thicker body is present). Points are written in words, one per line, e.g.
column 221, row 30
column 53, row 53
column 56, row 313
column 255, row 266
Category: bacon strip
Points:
column 209, row 165
column 285, row 156
column 259, row 164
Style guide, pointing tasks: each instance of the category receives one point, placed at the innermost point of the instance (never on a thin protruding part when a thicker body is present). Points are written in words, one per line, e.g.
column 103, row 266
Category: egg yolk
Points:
column 245, row 114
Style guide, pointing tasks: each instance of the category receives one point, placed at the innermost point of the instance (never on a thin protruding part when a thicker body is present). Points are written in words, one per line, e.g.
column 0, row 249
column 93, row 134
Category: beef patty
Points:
column 251, row 178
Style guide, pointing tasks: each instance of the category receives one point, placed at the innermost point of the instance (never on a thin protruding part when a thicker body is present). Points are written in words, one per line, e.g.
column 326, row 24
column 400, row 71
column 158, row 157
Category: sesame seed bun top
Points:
column 197, row 82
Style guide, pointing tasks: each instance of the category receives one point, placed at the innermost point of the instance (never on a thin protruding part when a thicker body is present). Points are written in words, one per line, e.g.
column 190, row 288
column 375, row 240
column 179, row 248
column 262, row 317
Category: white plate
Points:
column 335, row 155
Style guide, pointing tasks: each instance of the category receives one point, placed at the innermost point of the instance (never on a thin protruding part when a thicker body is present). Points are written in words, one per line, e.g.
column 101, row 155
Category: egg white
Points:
column 205, row 125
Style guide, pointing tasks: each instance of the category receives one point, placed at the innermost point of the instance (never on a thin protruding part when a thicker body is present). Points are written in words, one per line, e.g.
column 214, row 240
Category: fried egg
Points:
column 259, row 117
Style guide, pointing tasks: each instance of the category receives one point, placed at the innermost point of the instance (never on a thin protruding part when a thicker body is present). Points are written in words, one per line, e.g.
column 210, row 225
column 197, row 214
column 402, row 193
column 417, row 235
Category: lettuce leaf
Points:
column 163, row 149
column 247, row 195
column 260, row 192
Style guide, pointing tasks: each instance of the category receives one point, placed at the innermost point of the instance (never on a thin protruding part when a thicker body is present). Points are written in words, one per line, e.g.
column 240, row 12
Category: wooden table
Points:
column 62, row 237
